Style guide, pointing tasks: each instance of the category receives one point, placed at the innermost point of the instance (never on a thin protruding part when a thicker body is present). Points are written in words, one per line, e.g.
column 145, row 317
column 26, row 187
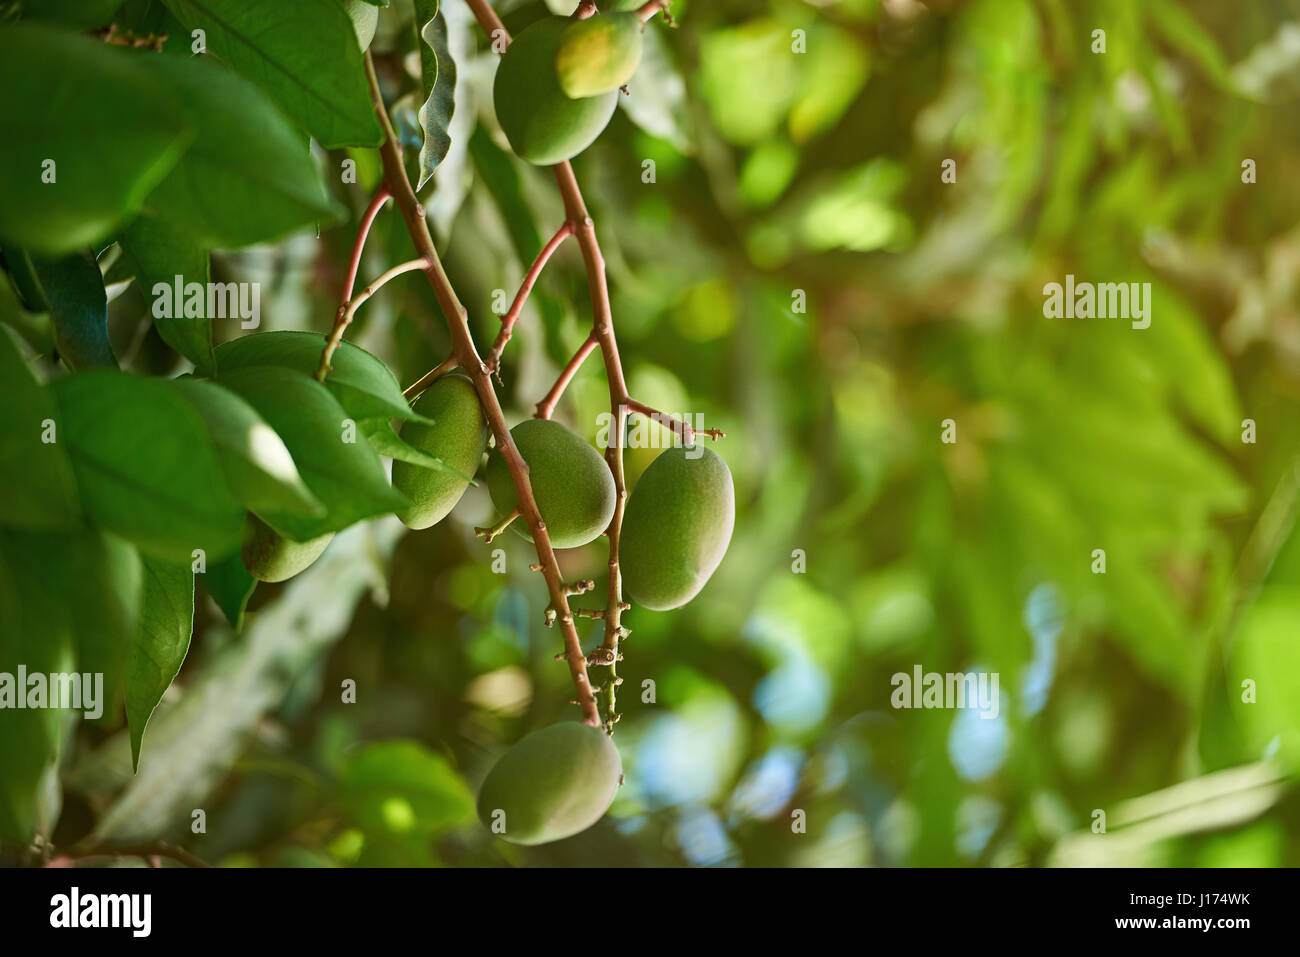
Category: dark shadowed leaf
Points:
column 230, row 586
column 159, row 252
column 74, row 289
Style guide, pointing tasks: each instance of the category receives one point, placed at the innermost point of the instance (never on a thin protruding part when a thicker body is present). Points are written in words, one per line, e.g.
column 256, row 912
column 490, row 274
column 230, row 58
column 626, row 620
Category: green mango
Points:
column 458, row 436
column 270, row 557
column 676, row 527
column 543, row 125
column 551, row 785
column 599, row 54
column 571, row 483
column 365, row 18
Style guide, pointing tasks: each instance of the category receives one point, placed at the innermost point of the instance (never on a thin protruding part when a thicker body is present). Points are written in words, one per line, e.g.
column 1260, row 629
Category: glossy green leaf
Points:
column 158, row 252
column 40, row 490
column 332, row 455
column 94, row 112
column 257, row 466
column 361, row 382
column 248, row 176
column 386, row 441
column 303, row 54
column 161, row 643
column 145, row 464
column 74, row 289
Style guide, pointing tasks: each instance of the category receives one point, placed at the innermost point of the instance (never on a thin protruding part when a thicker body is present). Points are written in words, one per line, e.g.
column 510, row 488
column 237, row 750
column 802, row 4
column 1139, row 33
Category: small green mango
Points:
column 571, row 483
column 365, row 18
column 543, row 125
column 458, row 436
column 598, row 54
column 551, row 785
column 270, row 557
column 676, row 527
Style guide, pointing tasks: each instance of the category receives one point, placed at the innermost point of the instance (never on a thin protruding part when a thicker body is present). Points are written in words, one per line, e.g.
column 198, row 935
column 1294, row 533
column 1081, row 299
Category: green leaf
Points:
column 304, row 54
column 385, row 440
column 74, row 289
column 257, row 466
column 110, row 130
column 69, row 603
column 106, row 576
column 338, row 465
column 230, row 586
column 40, row 490
column 34, row 327
column 400, row 786
column 248, row 177
column 193, row 745
column 360, row 381
column 163, row 640
column 145, row 465
column 438, row 79
column 79, row 14
column 159, row 252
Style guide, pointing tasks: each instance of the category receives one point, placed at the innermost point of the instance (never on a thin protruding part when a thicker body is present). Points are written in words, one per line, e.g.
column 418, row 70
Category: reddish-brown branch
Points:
column 426, row 380
column 346, row 311
column 577, row 217
column 367, row 220
column 530, row 278
column 546, row 407
column 467, row 356
column 342, row 317
column 647, row 10
column 682, row 430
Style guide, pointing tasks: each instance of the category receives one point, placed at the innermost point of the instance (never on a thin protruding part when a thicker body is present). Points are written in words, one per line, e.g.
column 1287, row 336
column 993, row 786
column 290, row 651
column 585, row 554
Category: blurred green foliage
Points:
column 780, row 179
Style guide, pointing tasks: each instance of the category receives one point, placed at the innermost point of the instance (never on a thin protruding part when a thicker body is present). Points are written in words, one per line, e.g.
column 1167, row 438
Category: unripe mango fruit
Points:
column 458, row 436
column 543, row 125
column 598, row 54
column 551, row 785
column 571, row 483
column 676, row 527
column 270, row 557
column 365, row 18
